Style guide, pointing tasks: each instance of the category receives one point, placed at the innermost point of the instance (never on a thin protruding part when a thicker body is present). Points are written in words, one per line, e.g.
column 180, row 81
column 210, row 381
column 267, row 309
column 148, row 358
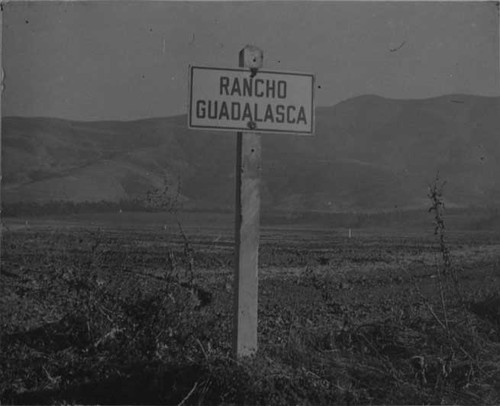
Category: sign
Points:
column 251, row 100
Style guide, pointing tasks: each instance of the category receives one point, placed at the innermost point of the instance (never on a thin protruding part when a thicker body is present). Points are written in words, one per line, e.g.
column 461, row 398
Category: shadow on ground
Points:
column 166, row 384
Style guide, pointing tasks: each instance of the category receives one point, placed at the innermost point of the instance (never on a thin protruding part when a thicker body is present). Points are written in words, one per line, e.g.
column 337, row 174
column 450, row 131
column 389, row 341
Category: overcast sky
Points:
column 128, row 60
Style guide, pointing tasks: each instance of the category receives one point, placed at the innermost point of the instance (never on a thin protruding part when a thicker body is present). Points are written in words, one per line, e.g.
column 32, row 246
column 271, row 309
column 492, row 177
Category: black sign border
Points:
column 245, row 129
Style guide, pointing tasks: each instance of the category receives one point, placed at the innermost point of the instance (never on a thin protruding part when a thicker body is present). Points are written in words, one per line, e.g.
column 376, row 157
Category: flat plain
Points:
column 136, row 308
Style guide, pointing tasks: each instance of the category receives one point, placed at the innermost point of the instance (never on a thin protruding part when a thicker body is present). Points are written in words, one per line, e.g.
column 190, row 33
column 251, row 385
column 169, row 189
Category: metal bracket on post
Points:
column 247, row 219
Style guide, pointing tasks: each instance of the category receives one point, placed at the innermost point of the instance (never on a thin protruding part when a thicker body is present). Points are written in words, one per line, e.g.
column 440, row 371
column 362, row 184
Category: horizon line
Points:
column 368, row 95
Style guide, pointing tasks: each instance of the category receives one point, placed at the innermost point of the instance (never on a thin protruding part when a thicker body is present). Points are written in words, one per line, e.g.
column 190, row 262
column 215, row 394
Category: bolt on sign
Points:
column 240, row 100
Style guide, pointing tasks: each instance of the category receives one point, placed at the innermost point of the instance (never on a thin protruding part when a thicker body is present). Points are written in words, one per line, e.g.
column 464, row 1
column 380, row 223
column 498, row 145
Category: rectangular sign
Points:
column 238, row 100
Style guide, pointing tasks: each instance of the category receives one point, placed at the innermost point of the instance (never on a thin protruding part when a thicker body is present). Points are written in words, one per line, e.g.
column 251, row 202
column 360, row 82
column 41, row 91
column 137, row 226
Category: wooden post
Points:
column 248, row 168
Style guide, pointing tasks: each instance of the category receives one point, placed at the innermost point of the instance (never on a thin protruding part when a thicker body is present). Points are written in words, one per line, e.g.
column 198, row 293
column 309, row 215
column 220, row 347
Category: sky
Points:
column 124, row 60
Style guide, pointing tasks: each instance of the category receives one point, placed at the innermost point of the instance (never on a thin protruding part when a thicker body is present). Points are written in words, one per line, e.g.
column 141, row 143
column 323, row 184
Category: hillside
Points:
column 369, row 153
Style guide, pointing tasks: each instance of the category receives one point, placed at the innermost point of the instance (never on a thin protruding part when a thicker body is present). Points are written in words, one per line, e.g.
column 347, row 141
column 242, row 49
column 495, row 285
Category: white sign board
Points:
column 239, row 100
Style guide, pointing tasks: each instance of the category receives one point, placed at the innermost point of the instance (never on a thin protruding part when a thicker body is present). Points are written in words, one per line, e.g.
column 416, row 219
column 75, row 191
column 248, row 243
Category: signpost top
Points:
column 251, row 57
column 250, row 99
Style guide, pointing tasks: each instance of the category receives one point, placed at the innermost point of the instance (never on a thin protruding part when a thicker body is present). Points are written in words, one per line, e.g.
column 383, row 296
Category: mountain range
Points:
column 368, row 154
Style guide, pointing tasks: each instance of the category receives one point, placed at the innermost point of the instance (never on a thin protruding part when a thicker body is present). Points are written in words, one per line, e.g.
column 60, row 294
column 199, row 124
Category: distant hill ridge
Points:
column 369, row 153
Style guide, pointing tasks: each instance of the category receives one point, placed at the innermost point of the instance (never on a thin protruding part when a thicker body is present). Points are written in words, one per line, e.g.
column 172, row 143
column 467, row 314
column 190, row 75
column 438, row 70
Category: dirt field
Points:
column 135, row 312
